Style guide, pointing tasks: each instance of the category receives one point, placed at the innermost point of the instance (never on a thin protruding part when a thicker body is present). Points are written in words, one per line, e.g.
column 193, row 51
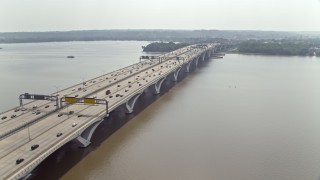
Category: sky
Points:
column 65, row 15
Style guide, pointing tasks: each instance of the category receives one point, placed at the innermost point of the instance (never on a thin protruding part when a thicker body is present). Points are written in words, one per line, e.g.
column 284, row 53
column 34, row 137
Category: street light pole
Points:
column 29, row 132
column 82, row 82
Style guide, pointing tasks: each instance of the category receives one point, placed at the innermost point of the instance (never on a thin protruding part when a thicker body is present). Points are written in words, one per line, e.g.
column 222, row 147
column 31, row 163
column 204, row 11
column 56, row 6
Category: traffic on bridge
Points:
column 31, row 132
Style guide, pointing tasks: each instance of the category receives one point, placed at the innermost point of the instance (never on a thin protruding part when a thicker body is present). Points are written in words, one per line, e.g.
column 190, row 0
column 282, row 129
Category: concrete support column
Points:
column 176, row 73
column 188, row 66
column 157, row 86
column 203, row 55
column 131, row 102
column 197, row 60
column 208, row 53
column 85, row 137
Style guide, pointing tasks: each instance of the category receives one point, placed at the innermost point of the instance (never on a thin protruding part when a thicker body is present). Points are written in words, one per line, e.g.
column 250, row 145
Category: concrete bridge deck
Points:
column 18, row 134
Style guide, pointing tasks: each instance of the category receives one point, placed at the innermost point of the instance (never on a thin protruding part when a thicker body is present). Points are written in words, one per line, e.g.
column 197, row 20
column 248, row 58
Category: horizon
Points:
column 245, row 30
column 59, row 15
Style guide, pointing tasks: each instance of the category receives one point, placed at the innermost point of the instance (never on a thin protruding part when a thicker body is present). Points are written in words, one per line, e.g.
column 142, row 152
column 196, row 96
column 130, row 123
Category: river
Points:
column 244, row 117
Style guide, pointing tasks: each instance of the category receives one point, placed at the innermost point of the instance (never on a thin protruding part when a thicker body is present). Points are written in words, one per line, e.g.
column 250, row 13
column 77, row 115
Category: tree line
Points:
column 298, row 47
column 163, row 46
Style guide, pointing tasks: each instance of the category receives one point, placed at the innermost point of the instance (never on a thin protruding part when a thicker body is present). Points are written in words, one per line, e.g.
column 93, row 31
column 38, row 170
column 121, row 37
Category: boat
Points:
column 70, row 56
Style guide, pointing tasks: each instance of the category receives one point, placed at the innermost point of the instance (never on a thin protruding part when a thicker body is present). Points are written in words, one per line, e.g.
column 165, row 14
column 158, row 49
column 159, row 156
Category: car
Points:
column 117, row 95
column 119, row 85
column 71, row 112
column 20, row 160
column 74, row 124
column 35, row 146
column 35, row 106
column 4, row 117
column 76, row 95
column 59, row 115
column 73, row 89
column 16, row 110
column 13, row 116
column 126, row 90
column 108, row 92
column 84, row 90
column 93, row 81
column 79, row 88
column 59, row 134
column 46, row 106
column 23, row 109
column 37, row 113
column 110, row 96
column 80, row 115
column 130, row 86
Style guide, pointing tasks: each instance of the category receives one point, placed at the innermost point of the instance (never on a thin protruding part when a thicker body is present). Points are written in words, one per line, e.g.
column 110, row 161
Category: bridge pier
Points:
column 188, row 66
column 176, row 73
column 213, row 51
column 157, row 86
column 208, row 54
column 203, row 55
column 197, row 61
column 85, row 136
column 131, row 102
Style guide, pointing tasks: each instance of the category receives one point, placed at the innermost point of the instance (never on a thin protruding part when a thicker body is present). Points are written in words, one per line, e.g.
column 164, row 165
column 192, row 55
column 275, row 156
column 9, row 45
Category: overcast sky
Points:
column 60, row 15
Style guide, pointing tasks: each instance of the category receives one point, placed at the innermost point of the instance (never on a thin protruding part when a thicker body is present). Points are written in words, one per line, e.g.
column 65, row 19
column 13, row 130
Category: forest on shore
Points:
column 163, row 46
column 292, row 47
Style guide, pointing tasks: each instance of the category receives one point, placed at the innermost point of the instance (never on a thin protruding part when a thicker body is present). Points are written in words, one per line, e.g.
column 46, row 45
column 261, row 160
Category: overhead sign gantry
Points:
column 92, row 101
column 38, row 97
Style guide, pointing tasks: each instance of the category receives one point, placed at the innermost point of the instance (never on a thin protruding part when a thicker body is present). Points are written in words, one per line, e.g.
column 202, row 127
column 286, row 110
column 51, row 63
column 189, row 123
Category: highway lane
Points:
column 71, row 90
column 30, row 114
column 63, row 126
column 40, row 131
column 123, row 89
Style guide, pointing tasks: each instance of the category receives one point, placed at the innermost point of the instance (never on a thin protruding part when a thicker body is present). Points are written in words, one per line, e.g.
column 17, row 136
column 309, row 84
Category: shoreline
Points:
column 268, row 54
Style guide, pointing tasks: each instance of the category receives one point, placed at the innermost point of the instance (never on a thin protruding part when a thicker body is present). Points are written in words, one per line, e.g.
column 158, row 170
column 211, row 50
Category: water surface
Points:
column 244, row 117
column 43, row 67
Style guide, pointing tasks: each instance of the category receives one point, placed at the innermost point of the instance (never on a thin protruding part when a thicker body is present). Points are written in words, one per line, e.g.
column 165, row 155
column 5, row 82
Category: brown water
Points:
column 242, row 117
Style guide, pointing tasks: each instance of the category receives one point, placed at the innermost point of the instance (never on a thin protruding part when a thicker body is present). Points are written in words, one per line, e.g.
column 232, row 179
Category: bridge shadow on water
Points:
column 61, row 161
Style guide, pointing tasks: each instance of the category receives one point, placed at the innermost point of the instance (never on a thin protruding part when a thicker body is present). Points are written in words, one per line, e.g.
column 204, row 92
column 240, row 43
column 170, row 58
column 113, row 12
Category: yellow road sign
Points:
column 70, row 99
column 89, row 100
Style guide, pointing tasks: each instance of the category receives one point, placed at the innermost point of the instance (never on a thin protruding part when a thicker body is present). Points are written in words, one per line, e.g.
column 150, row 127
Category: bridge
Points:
column 31, row 132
